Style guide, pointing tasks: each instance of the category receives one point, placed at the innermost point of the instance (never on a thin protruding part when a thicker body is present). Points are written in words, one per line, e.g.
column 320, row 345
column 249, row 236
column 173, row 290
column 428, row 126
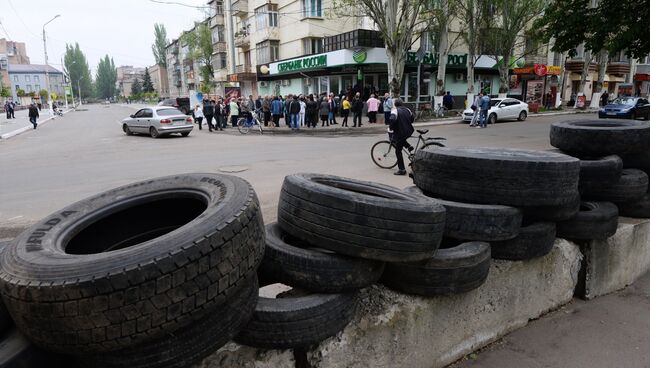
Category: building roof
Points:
column 31, row 68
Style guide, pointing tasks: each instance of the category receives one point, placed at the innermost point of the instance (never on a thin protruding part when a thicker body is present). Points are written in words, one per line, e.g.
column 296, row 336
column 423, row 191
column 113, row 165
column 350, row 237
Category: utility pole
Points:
column 66, row 75
column 47, row 74
column 231, row 36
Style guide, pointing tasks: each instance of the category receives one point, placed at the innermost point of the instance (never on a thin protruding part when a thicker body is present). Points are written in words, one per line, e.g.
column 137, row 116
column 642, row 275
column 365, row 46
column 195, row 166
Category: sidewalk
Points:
column 21, row 124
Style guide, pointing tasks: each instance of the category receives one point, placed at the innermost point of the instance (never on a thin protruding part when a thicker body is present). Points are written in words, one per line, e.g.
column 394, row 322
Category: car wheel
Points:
column 126, row 130
column 522, row 116
column 185, row 134
column 492, row 119
column 633, row 115
column 153, row 132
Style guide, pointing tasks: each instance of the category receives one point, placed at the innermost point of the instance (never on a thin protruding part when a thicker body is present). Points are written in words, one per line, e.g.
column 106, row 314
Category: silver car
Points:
column 157, row 121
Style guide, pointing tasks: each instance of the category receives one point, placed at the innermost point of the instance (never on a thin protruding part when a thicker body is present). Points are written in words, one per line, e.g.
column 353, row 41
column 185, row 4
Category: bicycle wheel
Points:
column 243, row 126
column 383, row 155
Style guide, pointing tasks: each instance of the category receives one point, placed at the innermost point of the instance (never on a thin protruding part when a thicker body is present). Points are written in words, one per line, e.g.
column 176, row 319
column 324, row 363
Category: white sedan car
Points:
column 157, row 121
column 501, row 109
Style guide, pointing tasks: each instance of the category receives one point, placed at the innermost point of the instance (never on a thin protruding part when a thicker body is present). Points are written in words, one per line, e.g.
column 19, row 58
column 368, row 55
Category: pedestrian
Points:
column 225, row 111
column 258, row 107
column 373, row 106
column 324, row 112
column 485, row 106
column 33, row 115
column 345, row 111
column 476, row 108
column 276, row 110
column 303, row 110
column 219, row 121
column 285, row 111
column 251, row 108
column 331, row 116
column 266, row 110
column 448, row 101
column 294, row 112
column 604, row 99
column 12, row 109
column 312, row 112
column 6, row 107
column 198, row 115
column 357, row 108
column 401, row 128
column 234, row 112
column 388, row 105
column 208, row 112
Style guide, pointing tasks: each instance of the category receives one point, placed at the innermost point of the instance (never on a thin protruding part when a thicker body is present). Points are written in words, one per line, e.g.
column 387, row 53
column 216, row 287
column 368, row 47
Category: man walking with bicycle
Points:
column 401, row 128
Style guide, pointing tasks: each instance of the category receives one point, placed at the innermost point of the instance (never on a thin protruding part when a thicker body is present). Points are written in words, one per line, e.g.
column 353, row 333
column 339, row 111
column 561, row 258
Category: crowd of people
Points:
column 293, row 111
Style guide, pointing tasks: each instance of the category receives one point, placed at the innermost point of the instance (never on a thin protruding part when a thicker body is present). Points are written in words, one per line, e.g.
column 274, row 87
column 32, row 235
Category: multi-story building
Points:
column 182, row 70
column 31, row 78
column 126, row 75
column 11, row 52
column 158, row 74
column 642, row 77
column 220, row 63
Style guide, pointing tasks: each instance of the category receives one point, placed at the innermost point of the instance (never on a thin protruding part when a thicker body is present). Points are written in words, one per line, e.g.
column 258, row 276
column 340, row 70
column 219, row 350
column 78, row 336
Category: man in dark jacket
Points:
column 357, row 108
column 208, row 112
column 401, row 126
column 294, row 113
column 33, row 115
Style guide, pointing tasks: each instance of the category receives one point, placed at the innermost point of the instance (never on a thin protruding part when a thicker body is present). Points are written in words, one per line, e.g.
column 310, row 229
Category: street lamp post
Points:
column 47, row 74
column 79, row 89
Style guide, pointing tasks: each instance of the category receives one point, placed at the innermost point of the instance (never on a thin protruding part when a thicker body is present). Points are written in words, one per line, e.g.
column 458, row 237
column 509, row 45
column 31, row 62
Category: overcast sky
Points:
column 123, row 29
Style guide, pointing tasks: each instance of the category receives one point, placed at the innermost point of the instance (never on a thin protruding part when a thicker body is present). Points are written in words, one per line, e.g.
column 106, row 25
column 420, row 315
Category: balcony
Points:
column 576, row 65
column 536, row 59
column 216, row 20
column 175, row 49
column 618, row 68
column 269, row 33
column 243, row 40
column 243, row 69
column 219, row 47
column 243, row 72
column 240, row 8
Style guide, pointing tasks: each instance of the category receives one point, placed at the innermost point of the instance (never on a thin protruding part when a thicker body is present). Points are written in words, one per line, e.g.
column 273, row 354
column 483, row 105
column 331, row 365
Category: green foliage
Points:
column 5, row 91
column 205, row 88
column 613, row 25
column 21, row 92
column 147, row 86
column 43, row 94
column 199, row 42
column 77, row 66
column 106, row 78
column 159, row 45
column 136, row 87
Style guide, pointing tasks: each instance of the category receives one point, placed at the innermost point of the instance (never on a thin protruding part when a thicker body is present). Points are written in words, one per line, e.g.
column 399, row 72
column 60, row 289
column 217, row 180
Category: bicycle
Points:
column 383, row 152
column 244, row 125
column 424, row 112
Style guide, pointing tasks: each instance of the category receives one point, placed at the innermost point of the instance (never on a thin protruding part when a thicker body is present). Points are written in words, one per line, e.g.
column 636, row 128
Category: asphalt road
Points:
column 86, row 152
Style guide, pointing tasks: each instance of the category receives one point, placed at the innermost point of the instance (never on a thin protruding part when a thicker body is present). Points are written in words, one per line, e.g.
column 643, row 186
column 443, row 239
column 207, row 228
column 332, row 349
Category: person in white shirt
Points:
column 198, row 115
column 303, row 107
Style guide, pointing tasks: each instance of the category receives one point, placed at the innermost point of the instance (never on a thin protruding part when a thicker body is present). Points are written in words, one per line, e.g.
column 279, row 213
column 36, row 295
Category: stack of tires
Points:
column 613, row 156
column 508, row 198
column 158, row 273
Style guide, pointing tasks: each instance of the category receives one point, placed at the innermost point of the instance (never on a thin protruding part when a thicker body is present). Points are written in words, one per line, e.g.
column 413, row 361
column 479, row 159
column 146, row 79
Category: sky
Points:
column 122, row 29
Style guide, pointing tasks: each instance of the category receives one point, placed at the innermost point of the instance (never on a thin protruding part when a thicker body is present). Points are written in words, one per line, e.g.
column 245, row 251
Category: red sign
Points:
column 642, row 77
column 540, row 70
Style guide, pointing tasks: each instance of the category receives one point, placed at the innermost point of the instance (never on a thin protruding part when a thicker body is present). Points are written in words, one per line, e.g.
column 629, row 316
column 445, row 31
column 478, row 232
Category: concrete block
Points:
column 235, row 355
column 617, row 262
column 397, row 330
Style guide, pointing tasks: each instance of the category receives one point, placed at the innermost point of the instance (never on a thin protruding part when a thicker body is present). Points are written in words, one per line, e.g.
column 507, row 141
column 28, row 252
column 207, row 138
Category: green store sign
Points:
column 429, row 58
column 309, row 62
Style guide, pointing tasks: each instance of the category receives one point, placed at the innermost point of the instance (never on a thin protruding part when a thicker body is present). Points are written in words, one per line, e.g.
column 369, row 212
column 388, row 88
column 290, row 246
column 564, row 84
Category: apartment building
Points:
column 159, row 79
column 31, row 78
column 11, row 52
column 182, row 70
column 126, row 75
column 220, row 64
column 642, row 77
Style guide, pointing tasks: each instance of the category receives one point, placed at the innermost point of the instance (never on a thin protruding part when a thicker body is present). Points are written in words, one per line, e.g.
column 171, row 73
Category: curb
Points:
column 26, row 128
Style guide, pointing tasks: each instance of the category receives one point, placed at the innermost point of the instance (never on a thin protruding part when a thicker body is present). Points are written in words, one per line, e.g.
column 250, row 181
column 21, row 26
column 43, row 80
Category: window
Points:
column 312, row 46
column 218, row 6
column 37, row 87
column 17, row 87
column 425, row 41
column 27, row 78
column 36, row 78
column 312, row 8
column 268, row 51
column 218, row 35
column 266, row 16
column 29, row 88
column 15, row 78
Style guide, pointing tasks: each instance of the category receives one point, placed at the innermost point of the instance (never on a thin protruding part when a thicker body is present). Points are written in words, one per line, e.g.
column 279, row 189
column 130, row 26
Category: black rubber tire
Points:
column 189, row 344
column 600, row 171
column 126, row 130
column 360, row 219
column 596, row 220
column 631, row 187
column 497, row 176
column 297, row 321
column 637, row 209
column 451, row 271
column 185, row 134
column 484, row 222
column 154, row 133
column 598, row 138
column 522, row 116
column 17, row 352
column 552, row 213
column 640, row 161
column 6, row 323
column 534, row 240
column 86, row 300
column 293, row 262
column 492, row 119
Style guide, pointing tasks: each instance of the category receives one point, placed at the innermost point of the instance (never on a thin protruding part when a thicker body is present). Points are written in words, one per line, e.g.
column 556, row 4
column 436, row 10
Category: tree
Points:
column 199, row 42
column 136, row 88
column 400, row 22
column 472, row 23
column 77, row 67
column 106, row 78
column 4, row 90
column 509, row 21
column 160, row 44
column 443, row 12
column 43, row 94
column 21, row 92
column 147, row 86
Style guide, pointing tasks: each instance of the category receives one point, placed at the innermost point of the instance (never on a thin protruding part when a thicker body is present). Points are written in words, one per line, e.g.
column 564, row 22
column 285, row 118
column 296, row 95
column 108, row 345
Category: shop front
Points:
column 642, row 84
column 537, row 85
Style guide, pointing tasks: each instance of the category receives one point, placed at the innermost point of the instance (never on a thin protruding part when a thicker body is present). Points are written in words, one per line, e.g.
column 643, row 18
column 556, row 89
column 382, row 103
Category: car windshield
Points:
column 629, row 101
column 169, row 112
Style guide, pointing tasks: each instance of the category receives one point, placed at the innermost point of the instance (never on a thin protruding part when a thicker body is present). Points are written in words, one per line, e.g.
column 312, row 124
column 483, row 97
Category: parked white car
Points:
column 501, row 109
column 158, row 121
